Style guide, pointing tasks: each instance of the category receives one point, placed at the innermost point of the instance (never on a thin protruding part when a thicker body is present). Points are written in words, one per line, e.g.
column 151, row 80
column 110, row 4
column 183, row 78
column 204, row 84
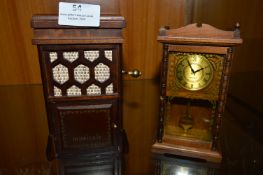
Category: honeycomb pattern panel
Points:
column 108, row 54
column 91, row 55
column 60, row 74
column 93, row 90
column 57, row 92
column 70, row 56
column 53, row 56
column 101, row 72
column 88, row 70
column 109, row 89
column 73, row 91
column 81, row 73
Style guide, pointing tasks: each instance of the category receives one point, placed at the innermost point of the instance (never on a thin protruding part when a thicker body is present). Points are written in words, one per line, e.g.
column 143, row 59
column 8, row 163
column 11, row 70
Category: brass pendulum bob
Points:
column 186, row 120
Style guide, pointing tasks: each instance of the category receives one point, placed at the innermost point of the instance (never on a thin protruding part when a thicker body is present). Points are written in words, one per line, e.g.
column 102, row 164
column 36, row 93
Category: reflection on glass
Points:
column 186, row 120
column 37, row 168
column 171, row 165
column 182, row 171
column 189, row 118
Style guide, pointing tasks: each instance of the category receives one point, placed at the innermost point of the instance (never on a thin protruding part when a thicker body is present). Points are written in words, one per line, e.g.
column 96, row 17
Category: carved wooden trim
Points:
column 163, row 92
column 93, row 141
column 222, row 98
column 51, row 21
column 204, row 34
column 198, row 49
column 47, row 31
column 76, row 36
column 63, row 110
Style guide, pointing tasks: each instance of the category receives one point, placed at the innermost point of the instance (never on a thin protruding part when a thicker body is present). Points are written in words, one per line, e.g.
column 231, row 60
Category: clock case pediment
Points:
column 217, row 47
column 203, row 34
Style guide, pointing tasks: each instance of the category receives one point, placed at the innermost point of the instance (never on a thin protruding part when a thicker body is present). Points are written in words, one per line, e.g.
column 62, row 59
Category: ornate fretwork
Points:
column 108, row 54
column 82, row 72
column 93, row 90
column 70, row 56
column 91, row 55
column 53, row 56
column 102, row 72
column 60, row 74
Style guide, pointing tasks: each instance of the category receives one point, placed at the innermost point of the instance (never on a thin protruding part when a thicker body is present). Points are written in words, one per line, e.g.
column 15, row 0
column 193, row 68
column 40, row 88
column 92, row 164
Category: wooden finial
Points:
column 199, row 24
column 237, row 30
column 162, row 30
column 237, row 25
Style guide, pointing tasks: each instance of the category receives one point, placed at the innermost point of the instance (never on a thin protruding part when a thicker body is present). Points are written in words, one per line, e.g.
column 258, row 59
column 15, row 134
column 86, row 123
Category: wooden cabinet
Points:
column 195, row 73
column 81, row 76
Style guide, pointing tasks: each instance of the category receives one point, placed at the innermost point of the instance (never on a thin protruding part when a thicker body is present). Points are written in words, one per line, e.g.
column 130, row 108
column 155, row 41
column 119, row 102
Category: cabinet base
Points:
column 205, row 154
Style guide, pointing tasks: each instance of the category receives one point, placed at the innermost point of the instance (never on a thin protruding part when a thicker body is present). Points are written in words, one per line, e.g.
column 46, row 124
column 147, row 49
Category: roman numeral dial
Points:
column 193, row 72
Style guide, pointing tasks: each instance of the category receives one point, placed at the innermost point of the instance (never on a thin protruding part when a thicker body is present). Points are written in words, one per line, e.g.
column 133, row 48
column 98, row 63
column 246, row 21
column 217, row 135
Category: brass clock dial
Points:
column 193, row 72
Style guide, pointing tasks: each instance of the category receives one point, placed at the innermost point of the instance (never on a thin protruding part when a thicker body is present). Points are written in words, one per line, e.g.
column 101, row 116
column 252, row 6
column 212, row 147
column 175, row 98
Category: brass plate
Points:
column 210, row 91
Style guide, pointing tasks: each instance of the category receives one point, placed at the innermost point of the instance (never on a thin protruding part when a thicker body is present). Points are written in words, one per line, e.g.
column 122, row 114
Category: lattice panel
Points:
column 93, row 90
column 102, row 72
column 81, row 73
column 91, row 55
column 108, row 54
column 60, row 74
column 53, row 56
column 74, row 91
column 109, row 89
column 76, row 73
column 70, row 56
column 57, row 92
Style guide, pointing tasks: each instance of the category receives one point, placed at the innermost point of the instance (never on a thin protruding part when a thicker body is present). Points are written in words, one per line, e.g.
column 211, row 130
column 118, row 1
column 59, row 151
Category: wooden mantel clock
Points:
column 195, row 73
column 81, row 76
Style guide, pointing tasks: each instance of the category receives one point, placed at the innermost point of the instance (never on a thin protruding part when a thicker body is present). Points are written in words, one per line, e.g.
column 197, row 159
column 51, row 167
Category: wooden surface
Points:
column 144, row 18
column 23, row 128
column 140, row 114
column 47, row 31
column 223, row 14
column 51, row 21
column 204, row 34
column 167, row 148
column 19, row 64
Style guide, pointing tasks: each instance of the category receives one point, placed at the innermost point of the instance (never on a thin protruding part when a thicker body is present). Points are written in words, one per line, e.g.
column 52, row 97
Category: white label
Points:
column 75, row 14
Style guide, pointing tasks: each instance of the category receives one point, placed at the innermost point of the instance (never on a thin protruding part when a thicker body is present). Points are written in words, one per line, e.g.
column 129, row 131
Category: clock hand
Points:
column 192, row 70
column 200, row 69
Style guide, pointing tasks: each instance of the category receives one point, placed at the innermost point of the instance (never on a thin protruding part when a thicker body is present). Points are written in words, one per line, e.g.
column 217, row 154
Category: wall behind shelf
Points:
column 19, row 59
